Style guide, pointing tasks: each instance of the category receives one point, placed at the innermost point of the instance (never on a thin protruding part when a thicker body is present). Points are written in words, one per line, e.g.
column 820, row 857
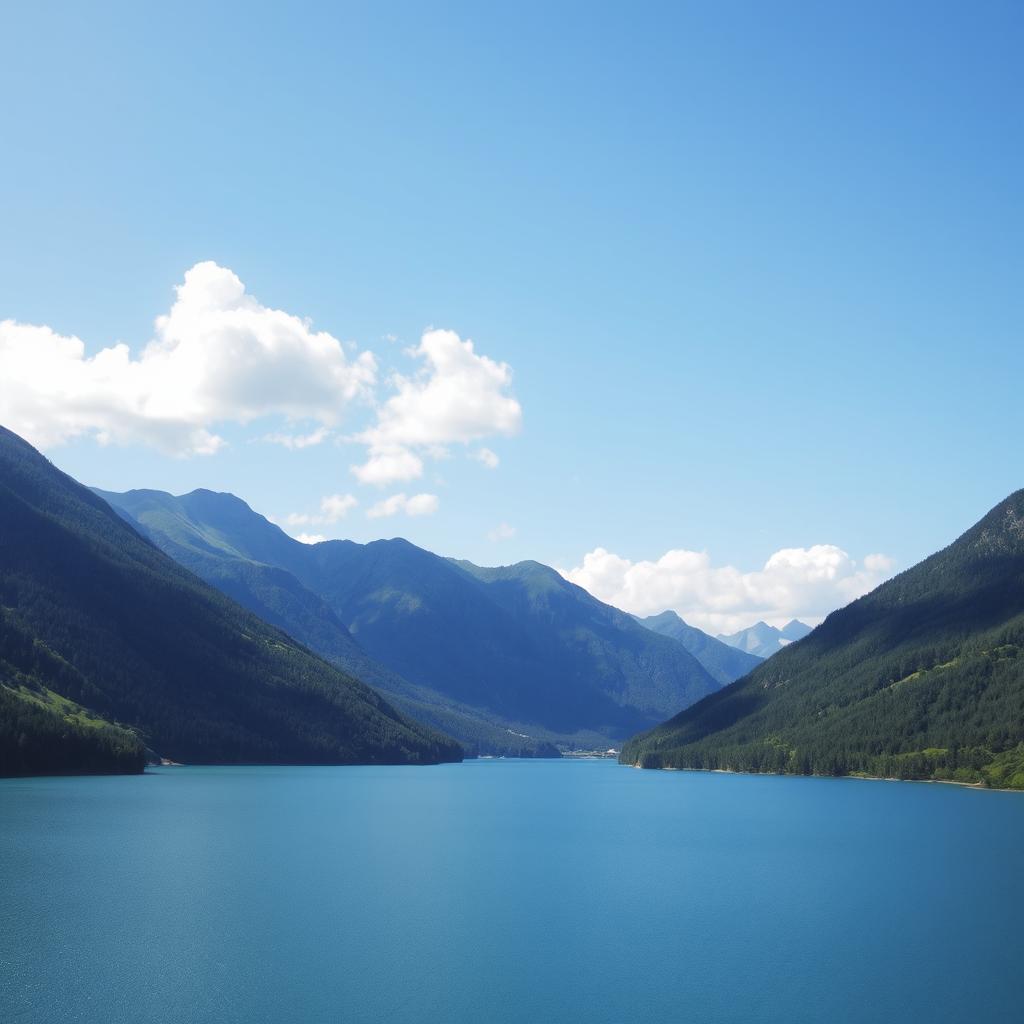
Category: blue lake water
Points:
column 506, row 891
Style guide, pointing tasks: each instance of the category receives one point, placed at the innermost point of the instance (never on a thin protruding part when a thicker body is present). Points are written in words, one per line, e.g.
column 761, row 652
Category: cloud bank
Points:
column 218, row 356
column 804, row 583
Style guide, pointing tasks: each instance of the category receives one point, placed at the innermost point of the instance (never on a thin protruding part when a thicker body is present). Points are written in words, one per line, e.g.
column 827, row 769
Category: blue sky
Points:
column 755, row 269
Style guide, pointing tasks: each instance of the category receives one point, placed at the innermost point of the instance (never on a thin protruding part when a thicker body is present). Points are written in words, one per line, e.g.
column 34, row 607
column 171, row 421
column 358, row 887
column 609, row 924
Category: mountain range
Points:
column 922, row 678
column 509, row 660
column 109, row 647
column 763, row 640
column 725, row 662
column 193, row 628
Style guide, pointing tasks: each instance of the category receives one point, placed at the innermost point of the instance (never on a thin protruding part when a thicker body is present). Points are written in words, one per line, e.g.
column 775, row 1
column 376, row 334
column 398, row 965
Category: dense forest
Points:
column 42, row 732
column 921, row 679
column 118, row 628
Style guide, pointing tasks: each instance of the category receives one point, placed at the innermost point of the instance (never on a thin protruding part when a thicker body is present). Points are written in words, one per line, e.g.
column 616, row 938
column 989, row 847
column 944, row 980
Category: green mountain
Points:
column 725, row 664
column 508, row 660
column 106, row 643
column 923, row 678
column 228, row 545
column 42, row 732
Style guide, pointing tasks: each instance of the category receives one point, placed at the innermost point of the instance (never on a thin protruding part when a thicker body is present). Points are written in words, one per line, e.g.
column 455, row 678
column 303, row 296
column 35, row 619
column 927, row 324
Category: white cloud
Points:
column 501, row 532
column 336, row 506
column 332, row 508
column 805, row 583
column 487, row 457
column 294, row 441
column 417, row 505
column 879, row 563
column 387, row 464
column 311, row 538
column 422, row 505
column 457, row 397
column 218, row 356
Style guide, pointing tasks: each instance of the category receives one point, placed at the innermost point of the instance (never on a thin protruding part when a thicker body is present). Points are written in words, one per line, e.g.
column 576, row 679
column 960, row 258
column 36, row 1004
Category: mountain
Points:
column 724, row 662
column 795, row 630
column 106, row 643
column 42, row 732
column 511, row 659
column 228, row 545
column 923, row 678
column 763, row 640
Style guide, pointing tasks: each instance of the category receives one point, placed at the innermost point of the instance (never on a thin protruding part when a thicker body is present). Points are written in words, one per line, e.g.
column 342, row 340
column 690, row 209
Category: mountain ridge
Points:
column 236, row 566
column 763, row 640
column 96, row 615
column 518, row 646
column 725, row 662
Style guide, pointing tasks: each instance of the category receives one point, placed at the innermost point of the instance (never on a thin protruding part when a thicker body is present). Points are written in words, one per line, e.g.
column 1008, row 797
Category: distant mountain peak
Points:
column 724, row 662
column 795, row 630
column 666, row 616
column 764, row 640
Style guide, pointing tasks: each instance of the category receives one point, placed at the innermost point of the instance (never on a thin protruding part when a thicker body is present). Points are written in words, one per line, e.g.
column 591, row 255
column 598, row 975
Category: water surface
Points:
column 506, row 891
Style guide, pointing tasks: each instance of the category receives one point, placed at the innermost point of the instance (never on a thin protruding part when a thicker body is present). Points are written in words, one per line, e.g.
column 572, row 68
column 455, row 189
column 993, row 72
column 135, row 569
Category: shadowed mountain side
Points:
column 518, row 647
column 222, row 558
column 133, row 637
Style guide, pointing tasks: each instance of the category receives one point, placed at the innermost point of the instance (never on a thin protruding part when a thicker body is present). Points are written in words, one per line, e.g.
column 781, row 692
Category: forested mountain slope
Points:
column 922, row 678
column 115, row 626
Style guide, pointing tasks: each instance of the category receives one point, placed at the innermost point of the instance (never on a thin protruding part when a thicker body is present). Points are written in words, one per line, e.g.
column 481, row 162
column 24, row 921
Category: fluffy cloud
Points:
column 336, row 506
column 218, row 356
column 804, row 583
column 417, row 505
column 332, row 508
column 501, row 532
column 387, row 464
column 310, row 538
column 457, row 397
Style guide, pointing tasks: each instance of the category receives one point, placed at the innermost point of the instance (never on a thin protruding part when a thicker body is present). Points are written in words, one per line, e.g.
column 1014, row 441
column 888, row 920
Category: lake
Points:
column 506, row 891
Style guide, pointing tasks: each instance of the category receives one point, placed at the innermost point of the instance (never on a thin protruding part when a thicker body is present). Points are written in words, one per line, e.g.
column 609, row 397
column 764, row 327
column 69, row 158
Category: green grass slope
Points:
column 922, row 679
column 42, row 732
column 152, row 647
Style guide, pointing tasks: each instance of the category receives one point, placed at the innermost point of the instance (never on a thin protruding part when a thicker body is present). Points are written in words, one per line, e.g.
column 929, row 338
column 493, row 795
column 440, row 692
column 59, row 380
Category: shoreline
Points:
column 977, row 786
